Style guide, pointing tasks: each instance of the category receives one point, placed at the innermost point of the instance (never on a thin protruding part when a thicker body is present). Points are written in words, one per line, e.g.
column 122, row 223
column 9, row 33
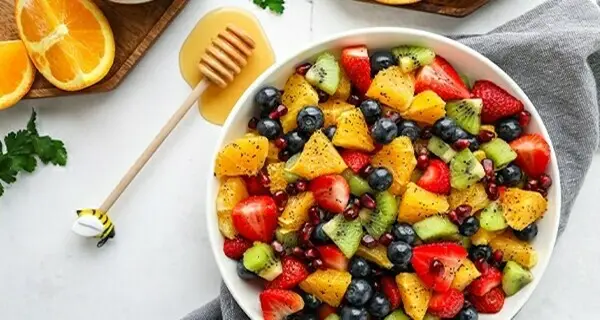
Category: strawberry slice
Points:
column 491, row 302
column 277, row 304
column 294, row 272
column 533, row 154
column 441, row 78
column 497, row 103
column 356, row 63
column 436, row 177
column 391, row 291
column 331, row 192
column 435, row 275
column 255, row 218
column 255, row 188
column 355, row 160
column 332, row 257
column 235, row 248
column 490, row 278
column 447, row 304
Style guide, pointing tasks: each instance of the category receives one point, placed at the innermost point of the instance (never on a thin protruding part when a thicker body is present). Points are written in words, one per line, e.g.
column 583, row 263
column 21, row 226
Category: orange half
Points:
column 69, row 41
column 17, row 73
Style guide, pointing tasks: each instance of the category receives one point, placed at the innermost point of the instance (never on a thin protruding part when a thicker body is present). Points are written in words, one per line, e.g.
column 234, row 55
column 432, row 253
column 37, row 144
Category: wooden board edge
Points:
column 436, row 9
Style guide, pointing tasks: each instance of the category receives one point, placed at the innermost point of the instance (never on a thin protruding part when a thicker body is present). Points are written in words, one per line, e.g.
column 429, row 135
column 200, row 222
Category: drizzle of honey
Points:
column 215, row 104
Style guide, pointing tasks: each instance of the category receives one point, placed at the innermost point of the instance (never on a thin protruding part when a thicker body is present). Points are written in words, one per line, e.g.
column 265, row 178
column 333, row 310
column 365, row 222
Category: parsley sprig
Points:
column 276, row 6
column 22, row 148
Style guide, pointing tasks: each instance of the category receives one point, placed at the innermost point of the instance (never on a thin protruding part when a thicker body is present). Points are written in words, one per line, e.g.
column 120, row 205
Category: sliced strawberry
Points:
column 234, row 249
column 450, row 255
column 533, row 154
column 391, row 291
column 436, row 177
column 491, row 302
column 447, row 304
column 356, row 63
column 325, row 311
column 332, row 257
column 331, row 192
column 490, row 278
column 497, row 103
column 255, row 188
column 294, row 272
column 255, row 218
column 441, row 78
column 355, row 160
column 277, row 304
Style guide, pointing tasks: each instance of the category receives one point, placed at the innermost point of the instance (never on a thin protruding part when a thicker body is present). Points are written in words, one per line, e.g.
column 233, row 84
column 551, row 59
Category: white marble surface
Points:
column 160, row 265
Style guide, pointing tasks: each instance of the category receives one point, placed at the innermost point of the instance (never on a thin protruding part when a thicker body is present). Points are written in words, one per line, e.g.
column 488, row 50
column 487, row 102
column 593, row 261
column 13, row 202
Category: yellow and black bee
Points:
column 94, row 223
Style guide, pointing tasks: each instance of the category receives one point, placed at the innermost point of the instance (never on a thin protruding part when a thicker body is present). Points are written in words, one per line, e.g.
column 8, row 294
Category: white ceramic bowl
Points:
column 466, row 61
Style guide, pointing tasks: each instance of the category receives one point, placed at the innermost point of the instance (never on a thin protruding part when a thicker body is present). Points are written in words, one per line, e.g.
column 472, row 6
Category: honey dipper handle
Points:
column 154, row 145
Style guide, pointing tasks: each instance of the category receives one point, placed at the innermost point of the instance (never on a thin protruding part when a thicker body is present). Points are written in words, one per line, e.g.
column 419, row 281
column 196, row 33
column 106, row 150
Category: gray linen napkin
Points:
column 553, row 53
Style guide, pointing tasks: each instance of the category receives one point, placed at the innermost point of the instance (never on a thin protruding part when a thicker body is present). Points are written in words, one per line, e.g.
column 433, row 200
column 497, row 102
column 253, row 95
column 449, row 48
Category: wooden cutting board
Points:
column 135, row 27
column 455, row 8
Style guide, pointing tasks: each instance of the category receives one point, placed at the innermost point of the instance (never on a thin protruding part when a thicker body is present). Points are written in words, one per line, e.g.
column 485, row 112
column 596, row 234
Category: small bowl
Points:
column 465, row 60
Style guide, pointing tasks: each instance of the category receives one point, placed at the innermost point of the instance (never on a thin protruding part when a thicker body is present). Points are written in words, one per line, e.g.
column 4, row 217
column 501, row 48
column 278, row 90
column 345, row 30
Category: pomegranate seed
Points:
column 323, row 96
column 498, row 256
column 492, row 191
column 463, row 211
column 531, row 184
column 317, row 264
column 366, row 171
column 284, row 155
column 422, row 161
column 305, row 232
column 422, row 150
column 303, row 68
column 368, row 241
column 437, row 268
column 426, row 133
column 280, row 209
column 252, row 123
column 274, row 115
column 543, row 192
column 301, row 186
column 524, row 118
column 291, row 189
column 482, row 265
column 277, row 246
column 353, row 100
column 298, row 252
column 280, row 143
column 545, row 181
column 280, row 198
column 282, row 110
column 263, row 177
column 350, row 213
column 311, row 254
column 454, row 217
column 392, row 115
column 461, row 144
column 485, row 136
column 314, row 215
column 386, row 239
column 367, row 201
column 488, row 168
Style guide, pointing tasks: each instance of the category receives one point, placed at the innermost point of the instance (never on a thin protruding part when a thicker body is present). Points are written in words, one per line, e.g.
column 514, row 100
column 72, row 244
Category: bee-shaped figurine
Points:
column 94, row 223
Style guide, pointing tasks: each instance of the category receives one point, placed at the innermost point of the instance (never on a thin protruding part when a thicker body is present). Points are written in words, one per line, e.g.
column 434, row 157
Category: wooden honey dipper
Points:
column 220, row 63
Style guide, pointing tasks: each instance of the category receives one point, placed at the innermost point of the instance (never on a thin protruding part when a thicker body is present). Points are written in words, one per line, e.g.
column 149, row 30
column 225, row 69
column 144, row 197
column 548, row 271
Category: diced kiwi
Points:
column 435, row 227
column 499, row 152
column 287, row 175
column 397, row 315
column 460, row 239
column 346, row 234
column 333, row 316
column 441, row 149
column 358, row 185
column 466, row 113
column 325, row 73
column 261, row 260
column 378, row 221
column 515, row 278
column 411, row 58
column 288, row 238
column 492, row 217
column 465, row 170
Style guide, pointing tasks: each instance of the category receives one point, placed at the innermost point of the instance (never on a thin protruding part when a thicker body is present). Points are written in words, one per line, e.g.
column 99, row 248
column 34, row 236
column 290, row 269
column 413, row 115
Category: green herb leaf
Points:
column 18, row 143
column 25, row 162
column 31, row 126
column 7, row 173
column 276, row 6
column 1, row 190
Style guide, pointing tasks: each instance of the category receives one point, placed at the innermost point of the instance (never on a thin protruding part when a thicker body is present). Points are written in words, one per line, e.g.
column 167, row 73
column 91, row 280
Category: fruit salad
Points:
column 383, row 185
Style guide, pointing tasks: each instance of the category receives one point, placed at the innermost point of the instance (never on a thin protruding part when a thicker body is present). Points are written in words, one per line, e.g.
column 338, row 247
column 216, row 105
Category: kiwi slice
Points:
column 378, row 221
column 397, row 315
column 333, row 316
column 287, row 175
column 288, row 238
column 465, row 170
column 515, row 278
column 466, row 113
column 441, row 149
column 346, row 234
column 325, row 73
column 435, row 227
column 411, row 58
column 358, row 185
column 492, row 217
column 499, row 152
column 261, row 260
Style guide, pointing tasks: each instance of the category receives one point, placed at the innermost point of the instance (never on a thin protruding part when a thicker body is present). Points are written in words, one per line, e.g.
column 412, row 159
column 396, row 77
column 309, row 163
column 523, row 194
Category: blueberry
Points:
column 267, row 99
column 310, row 301
column 380, row 179
column 382, row 60
column 469, row 227
column 409, row 129
column 371, row 110
column 384, row 131
column 508, row 129
column 359, row 267
column 480, row 252
column 359, row 292
column 295, row 142
column 330, row 131
column 310, row 119
column 459, row 133
column 268, row 128
column 527, row 234
column 467, row 313
column 399, row 252
column 444, row 128
column 510, row 176
column 319, row 235
column 379, row 306
column 473, row 143
column 351, row 313
column 404, row 232
column 244, row 273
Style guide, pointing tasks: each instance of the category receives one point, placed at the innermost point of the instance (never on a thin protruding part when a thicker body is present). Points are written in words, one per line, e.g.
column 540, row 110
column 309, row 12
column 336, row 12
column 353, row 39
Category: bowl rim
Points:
column 212, row 228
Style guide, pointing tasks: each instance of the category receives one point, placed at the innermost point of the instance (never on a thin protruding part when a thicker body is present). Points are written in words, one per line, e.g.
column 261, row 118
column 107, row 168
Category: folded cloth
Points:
column 553, row 53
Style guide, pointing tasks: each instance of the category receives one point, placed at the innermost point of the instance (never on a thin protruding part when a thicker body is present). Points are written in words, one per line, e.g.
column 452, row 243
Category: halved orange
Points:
column 69, row 41
column 17, row 72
